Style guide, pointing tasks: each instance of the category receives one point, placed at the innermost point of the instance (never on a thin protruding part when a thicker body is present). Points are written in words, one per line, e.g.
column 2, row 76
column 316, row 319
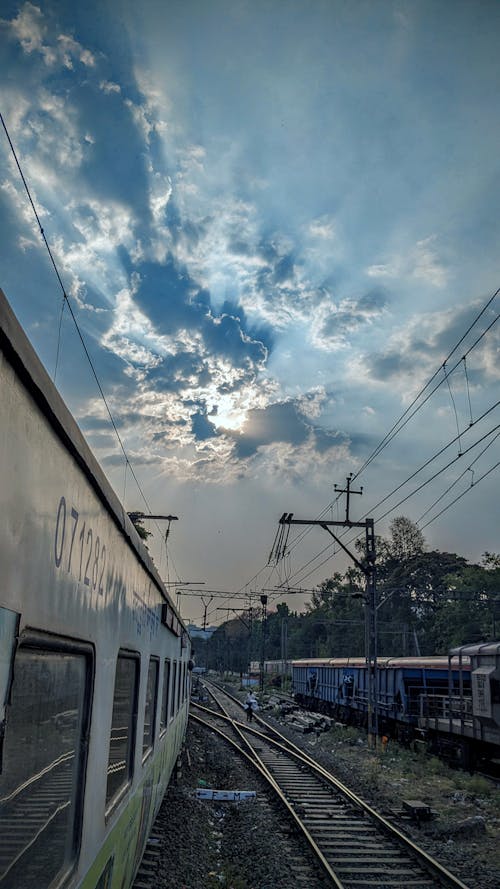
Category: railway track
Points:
column 356, row 847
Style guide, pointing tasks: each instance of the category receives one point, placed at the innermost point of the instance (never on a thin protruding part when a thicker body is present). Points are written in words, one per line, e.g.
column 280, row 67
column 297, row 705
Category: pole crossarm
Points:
column 287, row 519
column 133, row 516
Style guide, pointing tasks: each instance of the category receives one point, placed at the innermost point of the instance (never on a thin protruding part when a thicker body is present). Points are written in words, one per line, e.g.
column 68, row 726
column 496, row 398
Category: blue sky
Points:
column 274, row 221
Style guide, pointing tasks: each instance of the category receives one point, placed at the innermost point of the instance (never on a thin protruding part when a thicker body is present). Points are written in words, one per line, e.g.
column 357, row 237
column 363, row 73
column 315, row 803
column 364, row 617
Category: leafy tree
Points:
column 407, row 540
column 139, row 527
column 470, row 610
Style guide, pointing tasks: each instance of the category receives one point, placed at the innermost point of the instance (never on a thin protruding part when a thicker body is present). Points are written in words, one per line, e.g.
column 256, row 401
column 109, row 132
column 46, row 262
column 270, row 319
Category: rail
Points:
column 381, row 857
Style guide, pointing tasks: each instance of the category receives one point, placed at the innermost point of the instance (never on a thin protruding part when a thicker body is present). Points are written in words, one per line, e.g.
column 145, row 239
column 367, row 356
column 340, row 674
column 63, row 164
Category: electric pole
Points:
column 263, row 600
column 368, row 570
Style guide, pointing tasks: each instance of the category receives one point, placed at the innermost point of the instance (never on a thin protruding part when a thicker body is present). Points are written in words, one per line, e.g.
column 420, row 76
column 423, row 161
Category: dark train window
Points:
column 165, row 697
column 43, row 762
column 179, row 681
column 174, row 689
column 150, row 708
column 122, row 740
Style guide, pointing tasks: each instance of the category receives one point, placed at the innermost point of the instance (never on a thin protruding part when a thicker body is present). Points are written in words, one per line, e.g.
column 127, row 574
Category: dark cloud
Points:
column 223, row 336
column 262, row 333
column 202, row 428
column 324, row 440
column 276, row 423
column 268, row 252
column 281, row 422
column 108, row 171
column 167, row 295
column 138, row 459
column 173, row 302
column 373, row 302
column 354, row 313
column 392, row 364
column 175, row 371
column 240, row 248
column 284, row 269
column 415, row 349
column 339, row 323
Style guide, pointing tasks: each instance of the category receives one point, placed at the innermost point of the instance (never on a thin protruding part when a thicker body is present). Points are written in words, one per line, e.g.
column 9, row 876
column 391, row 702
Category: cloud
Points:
column 334, row 324
column 283, row 422
column 414, row 353
column 421, row 263
column 107, row 86
column 29, row 28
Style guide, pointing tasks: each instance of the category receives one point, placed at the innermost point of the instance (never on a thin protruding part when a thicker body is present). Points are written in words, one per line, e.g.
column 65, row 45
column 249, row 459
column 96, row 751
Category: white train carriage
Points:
column 94, row 659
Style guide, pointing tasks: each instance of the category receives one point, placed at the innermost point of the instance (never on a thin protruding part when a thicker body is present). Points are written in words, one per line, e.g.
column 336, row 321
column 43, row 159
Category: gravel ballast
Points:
column 251, row 845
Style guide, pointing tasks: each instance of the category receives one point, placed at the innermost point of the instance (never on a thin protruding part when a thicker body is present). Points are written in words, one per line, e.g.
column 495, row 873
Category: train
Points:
column 272, row 668
column 450, row 705
column 94, row 658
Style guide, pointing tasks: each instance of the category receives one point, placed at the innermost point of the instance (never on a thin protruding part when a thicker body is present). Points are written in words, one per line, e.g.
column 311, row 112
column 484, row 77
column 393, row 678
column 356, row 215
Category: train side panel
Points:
column 94, row 659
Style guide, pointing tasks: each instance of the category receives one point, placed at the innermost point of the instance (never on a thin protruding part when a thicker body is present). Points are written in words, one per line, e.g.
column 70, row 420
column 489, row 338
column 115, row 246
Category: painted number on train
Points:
column 77, row 549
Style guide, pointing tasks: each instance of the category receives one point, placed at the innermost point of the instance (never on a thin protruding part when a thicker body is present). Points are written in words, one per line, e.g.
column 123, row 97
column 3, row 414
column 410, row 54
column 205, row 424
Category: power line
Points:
column 399, row 424
column 396, row 428
column 468, row 469
column 467, row 490
column 68, row 304
column 402, row 484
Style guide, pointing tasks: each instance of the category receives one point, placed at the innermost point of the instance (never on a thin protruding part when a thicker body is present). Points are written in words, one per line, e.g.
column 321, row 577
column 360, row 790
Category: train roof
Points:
column 20, row 354
column 475, row 649
column 435, row 662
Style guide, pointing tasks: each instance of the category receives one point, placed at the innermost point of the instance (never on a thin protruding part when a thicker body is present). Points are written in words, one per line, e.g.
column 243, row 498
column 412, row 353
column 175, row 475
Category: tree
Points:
column 470, row 610
column 407, row 540
column 334, row 623
column 139, row 527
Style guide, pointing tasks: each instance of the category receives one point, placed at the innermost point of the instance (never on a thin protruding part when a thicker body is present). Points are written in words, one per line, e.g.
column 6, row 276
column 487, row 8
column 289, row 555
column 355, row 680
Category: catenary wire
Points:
column 70, row 308
column 449, row 488
column 467, row 490
column 298, row 575
column 399, row 425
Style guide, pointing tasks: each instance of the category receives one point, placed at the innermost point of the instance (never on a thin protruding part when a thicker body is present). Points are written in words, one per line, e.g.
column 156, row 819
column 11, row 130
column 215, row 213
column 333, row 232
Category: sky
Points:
column 274, row 223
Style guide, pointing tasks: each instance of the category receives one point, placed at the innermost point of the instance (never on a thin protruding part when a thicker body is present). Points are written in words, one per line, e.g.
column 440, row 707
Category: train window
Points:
column 150, row 708
column 42, row 776
column 184, row 684
column 122, row 739
column 174, row 687
column 165, row 698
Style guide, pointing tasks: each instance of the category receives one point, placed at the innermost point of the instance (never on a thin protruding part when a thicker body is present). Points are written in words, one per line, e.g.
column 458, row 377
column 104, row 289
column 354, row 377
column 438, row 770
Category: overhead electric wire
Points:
column 302, row 577
column 467, row 491
column 398, row 426
column 394, row 429
column 435, row 457
column 449, row 488
column 67, row 302
column 299, row 572
column 438, row 473
column 389, row 437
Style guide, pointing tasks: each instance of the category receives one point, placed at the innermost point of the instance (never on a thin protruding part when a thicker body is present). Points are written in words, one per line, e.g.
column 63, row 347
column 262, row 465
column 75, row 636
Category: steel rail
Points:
column 239, row 731
column 287, row 746
column 261, row 768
